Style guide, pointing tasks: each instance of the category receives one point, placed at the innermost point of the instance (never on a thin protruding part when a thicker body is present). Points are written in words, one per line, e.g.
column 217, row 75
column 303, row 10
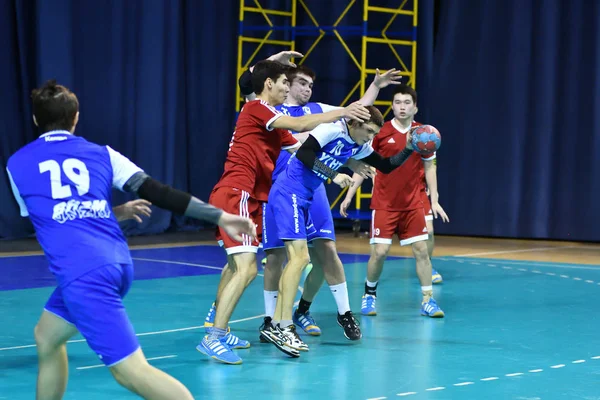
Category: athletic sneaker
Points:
column 435, row 276
column 273, row 334
column 350, row 325
column 232, row 341
column 219, row 350
column 307, row 323
column 431, row 309
column 266, row 325
column 368, row 305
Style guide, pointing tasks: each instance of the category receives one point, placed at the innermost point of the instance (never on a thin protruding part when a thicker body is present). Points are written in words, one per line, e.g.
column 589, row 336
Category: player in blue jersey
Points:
column 321, row 236
column 63, row 183
column 327, row 148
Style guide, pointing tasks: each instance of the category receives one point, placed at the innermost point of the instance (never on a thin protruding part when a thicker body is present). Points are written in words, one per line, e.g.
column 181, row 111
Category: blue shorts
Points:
column 93, row 303
column 292, row 217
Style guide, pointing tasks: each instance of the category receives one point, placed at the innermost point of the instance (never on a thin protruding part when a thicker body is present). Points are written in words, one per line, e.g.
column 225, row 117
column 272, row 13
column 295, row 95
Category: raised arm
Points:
column 390, row 77
column 309, row 122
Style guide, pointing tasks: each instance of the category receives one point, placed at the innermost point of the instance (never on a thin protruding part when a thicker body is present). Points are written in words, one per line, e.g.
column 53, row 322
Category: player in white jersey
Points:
column 63, row 183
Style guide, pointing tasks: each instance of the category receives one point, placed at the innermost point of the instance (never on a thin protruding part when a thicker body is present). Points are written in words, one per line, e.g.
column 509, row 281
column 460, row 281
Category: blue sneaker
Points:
column 209, row 321
column 368, row 305
column 307, row 323
column 235, row 342
column 436, row 277
column 219, row 350
column 431, row 309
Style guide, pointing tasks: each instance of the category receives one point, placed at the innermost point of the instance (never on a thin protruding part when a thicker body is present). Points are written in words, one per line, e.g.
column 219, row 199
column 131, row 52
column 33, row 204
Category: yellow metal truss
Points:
column 407, row 68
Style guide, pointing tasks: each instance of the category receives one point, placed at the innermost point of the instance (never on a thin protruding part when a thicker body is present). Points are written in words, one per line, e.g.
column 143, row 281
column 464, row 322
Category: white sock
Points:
column 270, row 302
column 371, row 284
column 426, row 288
column 340, row 294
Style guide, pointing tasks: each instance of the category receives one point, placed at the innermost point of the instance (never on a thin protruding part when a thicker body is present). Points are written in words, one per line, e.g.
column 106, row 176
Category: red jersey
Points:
column 400, row 189
column 254, row 149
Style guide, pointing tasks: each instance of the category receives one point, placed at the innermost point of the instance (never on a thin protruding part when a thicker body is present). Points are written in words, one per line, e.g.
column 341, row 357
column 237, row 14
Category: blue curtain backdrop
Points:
column 515, row 92
column 512, row 85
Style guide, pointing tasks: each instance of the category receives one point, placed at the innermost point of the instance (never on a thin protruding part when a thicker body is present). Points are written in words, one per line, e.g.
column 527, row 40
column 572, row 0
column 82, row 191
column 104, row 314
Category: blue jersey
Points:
column 63, row 183
column 297, row 111
column 336, row 148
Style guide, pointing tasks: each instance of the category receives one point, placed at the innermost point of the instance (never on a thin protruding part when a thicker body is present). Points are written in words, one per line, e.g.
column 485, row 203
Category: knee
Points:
column 130, row 377
column 380, row 253
column 420, row 250
column 43, row 341
column 249, row 272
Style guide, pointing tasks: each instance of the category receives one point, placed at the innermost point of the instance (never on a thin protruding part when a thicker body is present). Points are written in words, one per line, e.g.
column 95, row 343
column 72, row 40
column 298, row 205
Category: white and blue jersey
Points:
column 292, row 194
column 320, row 225
column 63, row 183
column 297, row 111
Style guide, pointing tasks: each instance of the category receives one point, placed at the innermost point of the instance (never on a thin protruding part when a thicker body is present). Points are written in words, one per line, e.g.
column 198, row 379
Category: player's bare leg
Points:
column 226, row 274
column 428, row 306
column 315, row 278
column 51, row 334
column 283, row 335
column 272, row 275
column 333, row 271
column 135, row 374
column 243, row 270
column 379, row 252
column 219, row 342
column 436, row 277
column 313, row 282
column 273, row 271
column 431, row 240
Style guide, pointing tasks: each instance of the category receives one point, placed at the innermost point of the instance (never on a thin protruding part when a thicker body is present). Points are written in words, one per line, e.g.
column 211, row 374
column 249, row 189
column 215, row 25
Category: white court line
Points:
column 190, row 328
column 514, row 374
column 590, row 267
column 406, row 394
column 435, row 389
column 533, row 371
column 578, row 361
column 148, row 359
column 557, row 366
column 491, row 378
column 464, row 383
column 377, row 398
column 177, row 262
column 489, row 253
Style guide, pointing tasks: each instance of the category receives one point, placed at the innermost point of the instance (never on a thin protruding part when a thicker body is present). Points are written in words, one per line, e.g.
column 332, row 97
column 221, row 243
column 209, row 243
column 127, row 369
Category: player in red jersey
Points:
column 261, row 132
column 398, row 206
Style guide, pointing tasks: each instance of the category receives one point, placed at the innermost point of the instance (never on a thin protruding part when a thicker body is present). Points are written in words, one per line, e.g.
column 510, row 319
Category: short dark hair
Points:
column 376, row 116
column 405, row 89
column 263, row 70
column 292, row 73
column 54, row 107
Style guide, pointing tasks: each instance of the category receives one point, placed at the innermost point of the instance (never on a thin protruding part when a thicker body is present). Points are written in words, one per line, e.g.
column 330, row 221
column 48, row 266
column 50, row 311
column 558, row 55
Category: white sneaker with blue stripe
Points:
column 219, row 350
column 431, row 309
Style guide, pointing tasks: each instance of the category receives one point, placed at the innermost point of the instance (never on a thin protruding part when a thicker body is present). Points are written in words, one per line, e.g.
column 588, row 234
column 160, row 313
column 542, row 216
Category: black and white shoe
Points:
column 294, row 340
column 267, row 324
column 350, row 325
column 276, row 336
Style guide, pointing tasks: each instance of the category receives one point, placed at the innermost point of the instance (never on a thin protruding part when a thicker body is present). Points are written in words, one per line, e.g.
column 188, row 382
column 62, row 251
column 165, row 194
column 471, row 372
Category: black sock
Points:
column 303, row 306
column 371, row 290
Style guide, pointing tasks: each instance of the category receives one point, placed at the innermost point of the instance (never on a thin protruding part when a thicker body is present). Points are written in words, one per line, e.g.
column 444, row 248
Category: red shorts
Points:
column 426, row 206
column 239, row 202
column 409, row 225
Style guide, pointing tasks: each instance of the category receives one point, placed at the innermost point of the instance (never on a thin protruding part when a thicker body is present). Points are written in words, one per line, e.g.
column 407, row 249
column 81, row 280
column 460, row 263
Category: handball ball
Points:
column 426, row 139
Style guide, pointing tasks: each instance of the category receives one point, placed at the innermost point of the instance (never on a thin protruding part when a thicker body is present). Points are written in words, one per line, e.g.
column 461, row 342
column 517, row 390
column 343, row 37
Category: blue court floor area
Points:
column 513, row 330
